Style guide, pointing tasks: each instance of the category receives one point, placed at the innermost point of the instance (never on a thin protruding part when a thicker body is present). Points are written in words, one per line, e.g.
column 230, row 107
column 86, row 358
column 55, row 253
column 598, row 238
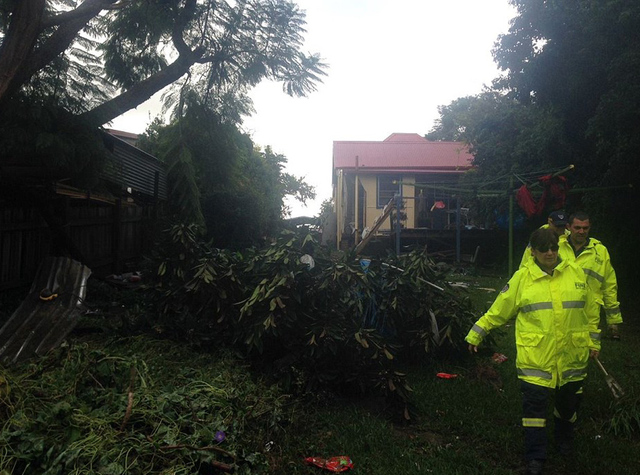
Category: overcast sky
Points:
column 391, row 64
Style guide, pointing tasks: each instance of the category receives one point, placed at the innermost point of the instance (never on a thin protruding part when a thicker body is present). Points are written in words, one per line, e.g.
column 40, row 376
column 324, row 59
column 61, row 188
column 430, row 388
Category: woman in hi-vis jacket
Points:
column 556, row 327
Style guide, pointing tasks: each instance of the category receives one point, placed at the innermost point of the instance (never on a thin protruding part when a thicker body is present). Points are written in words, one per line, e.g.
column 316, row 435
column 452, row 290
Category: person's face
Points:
column 579, row 231
column 558, row 230
column 547, row 258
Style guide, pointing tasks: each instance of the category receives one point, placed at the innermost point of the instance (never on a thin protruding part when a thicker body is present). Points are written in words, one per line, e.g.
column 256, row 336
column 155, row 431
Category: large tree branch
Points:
column 21, row 68
column 64, row 35
column 142, row 91
column 65, row 17
column 21, row 37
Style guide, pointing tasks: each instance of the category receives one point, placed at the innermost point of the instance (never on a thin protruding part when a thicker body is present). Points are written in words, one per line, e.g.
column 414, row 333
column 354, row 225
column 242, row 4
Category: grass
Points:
column 67, row 413
column 471, row 424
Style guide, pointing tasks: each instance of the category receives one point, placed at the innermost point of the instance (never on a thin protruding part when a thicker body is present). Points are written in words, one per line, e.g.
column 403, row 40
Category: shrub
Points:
column 344, row 323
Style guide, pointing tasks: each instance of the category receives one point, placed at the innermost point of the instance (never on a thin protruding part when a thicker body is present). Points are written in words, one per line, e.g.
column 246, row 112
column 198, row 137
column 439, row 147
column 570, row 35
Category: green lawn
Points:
column 471, row 424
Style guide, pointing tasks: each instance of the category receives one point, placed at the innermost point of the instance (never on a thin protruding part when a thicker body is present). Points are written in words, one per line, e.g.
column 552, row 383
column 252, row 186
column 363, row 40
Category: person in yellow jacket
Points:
column 593, row 257
column 556, row 325
column 556, row 221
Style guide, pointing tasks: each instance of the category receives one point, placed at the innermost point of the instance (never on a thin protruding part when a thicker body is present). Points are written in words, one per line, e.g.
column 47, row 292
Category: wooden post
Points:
column 117, row 237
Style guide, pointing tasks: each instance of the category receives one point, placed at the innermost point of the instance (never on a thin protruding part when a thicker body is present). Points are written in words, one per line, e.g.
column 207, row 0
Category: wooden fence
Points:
column 109, row 237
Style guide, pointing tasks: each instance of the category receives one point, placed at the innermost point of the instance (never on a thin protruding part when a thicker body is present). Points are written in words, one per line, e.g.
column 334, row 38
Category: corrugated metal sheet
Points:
column 402, row 153
column 38, row 326
column 136, row 169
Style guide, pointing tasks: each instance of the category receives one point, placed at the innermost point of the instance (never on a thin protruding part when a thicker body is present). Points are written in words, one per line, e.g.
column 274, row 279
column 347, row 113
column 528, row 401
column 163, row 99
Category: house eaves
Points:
column 407, row 156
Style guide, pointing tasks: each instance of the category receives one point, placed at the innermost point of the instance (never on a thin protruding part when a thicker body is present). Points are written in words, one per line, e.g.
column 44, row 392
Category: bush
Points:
column 344, row 323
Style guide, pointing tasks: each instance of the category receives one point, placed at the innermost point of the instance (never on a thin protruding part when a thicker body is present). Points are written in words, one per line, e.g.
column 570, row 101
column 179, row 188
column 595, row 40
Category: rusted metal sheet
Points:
column 41, row 322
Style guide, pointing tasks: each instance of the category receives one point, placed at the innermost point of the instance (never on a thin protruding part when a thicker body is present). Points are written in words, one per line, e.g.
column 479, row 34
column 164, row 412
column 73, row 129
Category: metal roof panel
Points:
column 400, row 152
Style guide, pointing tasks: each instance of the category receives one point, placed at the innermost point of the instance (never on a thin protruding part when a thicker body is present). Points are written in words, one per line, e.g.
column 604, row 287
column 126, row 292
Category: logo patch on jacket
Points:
column 581, row 285
column 504, row 289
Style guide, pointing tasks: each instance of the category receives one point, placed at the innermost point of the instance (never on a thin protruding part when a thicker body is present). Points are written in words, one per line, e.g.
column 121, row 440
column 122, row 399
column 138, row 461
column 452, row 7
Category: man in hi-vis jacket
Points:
column 593, row 257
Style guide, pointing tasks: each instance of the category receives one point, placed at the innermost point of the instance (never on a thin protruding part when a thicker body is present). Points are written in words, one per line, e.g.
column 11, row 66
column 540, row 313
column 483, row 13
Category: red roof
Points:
column 402, row 153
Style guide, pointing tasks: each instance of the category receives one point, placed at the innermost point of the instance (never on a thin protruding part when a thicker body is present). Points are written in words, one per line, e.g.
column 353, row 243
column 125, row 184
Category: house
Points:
column 368, row 174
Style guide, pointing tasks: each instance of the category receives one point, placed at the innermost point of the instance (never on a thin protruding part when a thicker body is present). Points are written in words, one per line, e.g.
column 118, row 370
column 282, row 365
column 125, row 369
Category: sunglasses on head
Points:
column 553, row 247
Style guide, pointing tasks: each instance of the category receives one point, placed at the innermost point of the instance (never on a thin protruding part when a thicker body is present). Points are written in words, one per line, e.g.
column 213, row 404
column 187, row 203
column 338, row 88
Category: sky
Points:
column 391, row 64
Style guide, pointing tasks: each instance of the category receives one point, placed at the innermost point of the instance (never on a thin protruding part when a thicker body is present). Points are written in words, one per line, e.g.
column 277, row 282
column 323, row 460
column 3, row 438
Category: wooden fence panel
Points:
column 106, row 237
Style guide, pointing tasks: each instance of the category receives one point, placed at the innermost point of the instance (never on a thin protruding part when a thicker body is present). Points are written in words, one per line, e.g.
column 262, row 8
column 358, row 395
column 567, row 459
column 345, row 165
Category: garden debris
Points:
column 341, row 463
column 499, row 358
column 615, row 388
column 466, row 285
column 48, row 313
column 128, row 279
column 446, row 375
column 488, row 374
column 184, row 405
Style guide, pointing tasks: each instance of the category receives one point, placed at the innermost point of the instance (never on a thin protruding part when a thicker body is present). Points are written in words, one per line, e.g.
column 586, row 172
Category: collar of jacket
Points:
column 538, row 273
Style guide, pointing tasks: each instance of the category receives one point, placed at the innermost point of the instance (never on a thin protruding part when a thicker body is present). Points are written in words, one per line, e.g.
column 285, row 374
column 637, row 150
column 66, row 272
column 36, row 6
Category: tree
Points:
column 574, row 56
column 571, row 73
column 503, row 134
column 142, row 46
column 219, row 179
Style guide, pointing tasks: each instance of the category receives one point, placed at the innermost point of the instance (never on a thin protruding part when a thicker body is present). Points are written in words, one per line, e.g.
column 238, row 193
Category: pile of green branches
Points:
column 136, row 406
column 340, row 322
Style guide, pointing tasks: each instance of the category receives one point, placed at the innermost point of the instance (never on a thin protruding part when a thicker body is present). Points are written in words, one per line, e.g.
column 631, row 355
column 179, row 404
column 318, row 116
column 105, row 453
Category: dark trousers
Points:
column 535, row 404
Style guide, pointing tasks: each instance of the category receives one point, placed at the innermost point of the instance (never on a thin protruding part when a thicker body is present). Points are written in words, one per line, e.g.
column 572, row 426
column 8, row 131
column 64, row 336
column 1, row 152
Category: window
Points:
column 387, row 189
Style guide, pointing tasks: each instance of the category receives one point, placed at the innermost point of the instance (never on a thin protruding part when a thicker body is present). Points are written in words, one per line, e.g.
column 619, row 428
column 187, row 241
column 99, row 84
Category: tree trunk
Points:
column 25, row 26
column 18, row 59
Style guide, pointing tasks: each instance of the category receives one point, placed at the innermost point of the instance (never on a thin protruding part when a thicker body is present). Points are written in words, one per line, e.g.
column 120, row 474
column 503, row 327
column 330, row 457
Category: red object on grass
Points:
column 333, row 464
column 499, row 358
column 446, row 375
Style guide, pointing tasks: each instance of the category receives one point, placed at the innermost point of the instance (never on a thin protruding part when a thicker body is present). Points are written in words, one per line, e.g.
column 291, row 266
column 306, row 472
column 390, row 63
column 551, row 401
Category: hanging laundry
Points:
column 554, row 195
column 525, row 200
column 555, row 190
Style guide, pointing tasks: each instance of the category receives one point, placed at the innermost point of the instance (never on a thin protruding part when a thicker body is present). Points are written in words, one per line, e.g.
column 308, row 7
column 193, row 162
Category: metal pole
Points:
column 458, row 221
column 398, row 203
column 510, row 225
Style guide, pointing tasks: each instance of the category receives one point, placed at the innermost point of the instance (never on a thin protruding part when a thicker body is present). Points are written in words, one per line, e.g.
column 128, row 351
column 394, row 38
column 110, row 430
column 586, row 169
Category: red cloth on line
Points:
column 554, row 195
column 555, row 190
column 525, row 200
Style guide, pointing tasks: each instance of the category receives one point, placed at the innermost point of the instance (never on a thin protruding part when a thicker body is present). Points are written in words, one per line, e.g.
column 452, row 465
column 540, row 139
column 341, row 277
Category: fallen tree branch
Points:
column 127, row 413
column 213, row 448
column 225, row 467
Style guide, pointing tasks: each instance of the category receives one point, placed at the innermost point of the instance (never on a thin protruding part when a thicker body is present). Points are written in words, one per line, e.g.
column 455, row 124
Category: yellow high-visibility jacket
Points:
column 556, row 323
column 527, row 255
column 601, row 277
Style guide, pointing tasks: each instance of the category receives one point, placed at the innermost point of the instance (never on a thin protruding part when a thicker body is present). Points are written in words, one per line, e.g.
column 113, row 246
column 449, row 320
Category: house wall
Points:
column 350, row 208
column 372, row 211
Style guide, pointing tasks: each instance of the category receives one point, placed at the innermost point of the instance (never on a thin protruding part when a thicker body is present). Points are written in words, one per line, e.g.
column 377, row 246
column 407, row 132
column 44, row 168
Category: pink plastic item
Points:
column 333, row 464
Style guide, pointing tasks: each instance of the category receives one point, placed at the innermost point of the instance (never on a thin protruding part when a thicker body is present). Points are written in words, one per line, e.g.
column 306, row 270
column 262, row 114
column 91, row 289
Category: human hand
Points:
column 594, row 353
column 473, row 348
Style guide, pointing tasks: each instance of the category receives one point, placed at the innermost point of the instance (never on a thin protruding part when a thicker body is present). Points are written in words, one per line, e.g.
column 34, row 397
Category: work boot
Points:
column 565, row 448
column 564, row 437
column 534, row 467
column 614, row 331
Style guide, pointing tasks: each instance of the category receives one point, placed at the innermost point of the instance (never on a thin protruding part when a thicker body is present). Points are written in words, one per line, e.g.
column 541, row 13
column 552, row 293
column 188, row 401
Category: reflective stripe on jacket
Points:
column 601, row 277
column 556, row 323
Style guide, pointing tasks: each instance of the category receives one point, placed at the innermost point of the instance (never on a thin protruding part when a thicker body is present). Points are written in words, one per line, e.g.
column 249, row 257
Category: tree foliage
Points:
column 504, row 135
column 333, row 323
column 219, row 179
column 569, row 95
column 142, row 46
